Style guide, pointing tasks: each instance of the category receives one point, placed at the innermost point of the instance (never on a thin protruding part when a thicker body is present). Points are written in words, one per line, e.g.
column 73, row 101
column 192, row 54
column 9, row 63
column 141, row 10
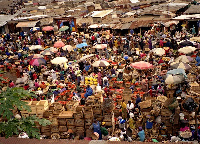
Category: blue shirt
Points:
column 141, row 134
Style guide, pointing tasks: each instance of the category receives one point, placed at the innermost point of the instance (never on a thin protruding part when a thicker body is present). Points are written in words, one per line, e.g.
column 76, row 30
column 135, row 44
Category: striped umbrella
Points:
column 100, row 63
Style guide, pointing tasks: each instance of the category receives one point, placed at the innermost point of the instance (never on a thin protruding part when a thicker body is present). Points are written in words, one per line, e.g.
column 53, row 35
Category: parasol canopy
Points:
column 174, row 79
column 47, row 52
column 37, row 62
column 35, row 47
column 59, row 44
column 63, row 28
column 159, row 51
column 181, row 65
column 52, row 49
column 100, row 63
column 100, row 46
column 34, row 56
column 35, row 29
column 59, row 60
column 68, row 47
column 85, row 57
column 186, row 43
column 184, row 58
column 177, row 72
column 81, row 45
column 187, row 50
column 197, row 39
column 47, row 28
column 142, row 65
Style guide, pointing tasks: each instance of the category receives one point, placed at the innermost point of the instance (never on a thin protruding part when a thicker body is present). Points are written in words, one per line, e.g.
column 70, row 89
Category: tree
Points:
column 11, row 98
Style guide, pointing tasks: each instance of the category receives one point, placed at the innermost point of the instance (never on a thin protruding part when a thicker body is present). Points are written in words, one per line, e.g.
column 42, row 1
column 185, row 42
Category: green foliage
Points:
column 27, row 125
column 11, row 98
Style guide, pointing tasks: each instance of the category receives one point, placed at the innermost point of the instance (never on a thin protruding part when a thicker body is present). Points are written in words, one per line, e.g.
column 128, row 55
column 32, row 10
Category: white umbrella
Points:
column 85, row 57
column 68, row 47
column 187, row 49
column 100, row 46
column 181, row 65
column 47, row 52
column 159, row 51
column 59, row 60
column 100, row 63
column 184, row 58
column 34, row 47
column 174, row 79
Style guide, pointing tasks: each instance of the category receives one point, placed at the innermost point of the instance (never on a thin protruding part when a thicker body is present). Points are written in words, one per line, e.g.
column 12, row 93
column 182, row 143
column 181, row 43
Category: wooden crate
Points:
column 45, row 128
column 78, row 115
column 25, row 114
column 88, row 114
column 79, row 122
column 79, row 108
column 89, row 121
column 62, row 128
column 41, row 105
column 54, row 122
column 39, row 115
column 73, row 128
column 66, row 114
column 80, row 131
column 165, row 112
column 28, row 104
column 97, row 111
column 62, row 121
column 70, row 122
column 33, row 105
column 46, row 133
column 89, row 132
column 54, row 129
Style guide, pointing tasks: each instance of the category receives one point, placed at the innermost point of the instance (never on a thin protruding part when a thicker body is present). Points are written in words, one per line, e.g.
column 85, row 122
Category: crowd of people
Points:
column 35, row 71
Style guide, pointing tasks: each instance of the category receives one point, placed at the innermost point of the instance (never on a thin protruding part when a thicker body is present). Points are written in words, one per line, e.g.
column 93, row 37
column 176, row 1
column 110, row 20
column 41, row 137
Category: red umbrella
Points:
column 59, row 44
column 142, row 65
column 47, row 28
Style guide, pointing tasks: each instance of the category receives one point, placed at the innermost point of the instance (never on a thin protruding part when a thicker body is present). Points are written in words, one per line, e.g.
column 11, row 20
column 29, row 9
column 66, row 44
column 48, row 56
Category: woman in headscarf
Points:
column 124, row 110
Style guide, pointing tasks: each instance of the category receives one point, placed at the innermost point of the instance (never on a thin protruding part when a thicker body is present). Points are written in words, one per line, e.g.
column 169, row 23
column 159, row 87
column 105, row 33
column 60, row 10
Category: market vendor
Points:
column 89, row 92
column 96, row 128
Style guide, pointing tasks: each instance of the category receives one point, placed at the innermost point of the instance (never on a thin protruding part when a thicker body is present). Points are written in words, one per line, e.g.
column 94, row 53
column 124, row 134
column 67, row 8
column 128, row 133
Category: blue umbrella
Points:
column 177, row 71
column 81, row 45
column 84, row 44
column 125, row 57
column 34, row 29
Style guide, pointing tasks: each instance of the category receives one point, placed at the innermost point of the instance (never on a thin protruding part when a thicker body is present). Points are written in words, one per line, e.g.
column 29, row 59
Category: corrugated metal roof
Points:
column 27, row 24
column 126, row 26
column 102, row 13
column 138, row 24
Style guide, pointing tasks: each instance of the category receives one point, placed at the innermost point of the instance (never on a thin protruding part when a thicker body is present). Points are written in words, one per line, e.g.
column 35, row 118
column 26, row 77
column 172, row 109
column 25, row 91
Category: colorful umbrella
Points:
column 34, row 56
column 159, row 51
column 59, row 60
column 85, row 57
column 100, row 46
column 59, row 44
column 174, row 79
column 52, row 49
column 47, row 28
column 142, row 65
column 197, row 39
column 34, row 47
column 47, row 52
column 184, row 58
column 187, row 50
column 68, row 47
column 100, row 63
column 37, row 62
column 177, row 72
column 63, row 28
column 182, row 65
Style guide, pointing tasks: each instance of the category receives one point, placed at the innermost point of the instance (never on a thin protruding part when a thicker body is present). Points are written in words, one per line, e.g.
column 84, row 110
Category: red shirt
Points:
column 11, row 84
column 34, row 76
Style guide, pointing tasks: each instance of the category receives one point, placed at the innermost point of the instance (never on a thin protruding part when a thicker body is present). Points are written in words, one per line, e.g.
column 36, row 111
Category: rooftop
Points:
column 101, row 14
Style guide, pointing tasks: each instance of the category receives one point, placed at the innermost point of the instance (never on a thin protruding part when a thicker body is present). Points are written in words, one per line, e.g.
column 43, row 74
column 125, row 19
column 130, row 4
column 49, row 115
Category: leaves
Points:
column 27, row 125
column 12, row 97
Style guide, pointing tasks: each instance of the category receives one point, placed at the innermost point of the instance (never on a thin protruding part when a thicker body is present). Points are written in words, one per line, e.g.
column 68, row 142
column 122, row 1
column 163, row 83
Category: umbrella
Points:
column 84, row 44
column 63, row 28
column 186, row 43
column 47, row 28
column 59, row 44
column 68, row 47
column 187, row 50
column 85, row 57
column 35, row 29
column 100, row 46
column 59, row 60
column 174, row 79
column 159, row 51
column 34, row 56
column 142, row 65
column 197, row 39
column 81, row 45
column 47, row 52
column 184, row 58
column 182, row 65
column 177, row 72
column 125, row 57
column 34, row 47
column 100, row 63
column 37, row 62
column 52, row 49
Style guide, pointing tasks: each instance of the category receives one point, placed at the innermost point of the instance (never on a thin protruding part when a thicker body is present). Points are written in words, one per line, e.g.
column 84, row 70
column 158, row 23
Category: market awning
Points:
column 126, row 26
column 169, row 23
column 27, row 24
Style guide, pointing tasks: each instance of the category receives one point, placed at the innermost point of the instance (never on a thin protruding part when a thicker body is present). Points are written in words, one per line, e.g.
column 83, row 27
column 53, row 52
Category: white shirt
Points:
column 130, row 107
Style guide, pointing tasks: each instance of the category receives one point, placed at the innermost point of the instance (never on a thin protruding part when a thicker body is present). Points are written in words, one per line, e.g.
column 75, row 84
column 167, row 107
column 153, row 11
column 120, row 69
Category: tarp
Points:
column 27, row 24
